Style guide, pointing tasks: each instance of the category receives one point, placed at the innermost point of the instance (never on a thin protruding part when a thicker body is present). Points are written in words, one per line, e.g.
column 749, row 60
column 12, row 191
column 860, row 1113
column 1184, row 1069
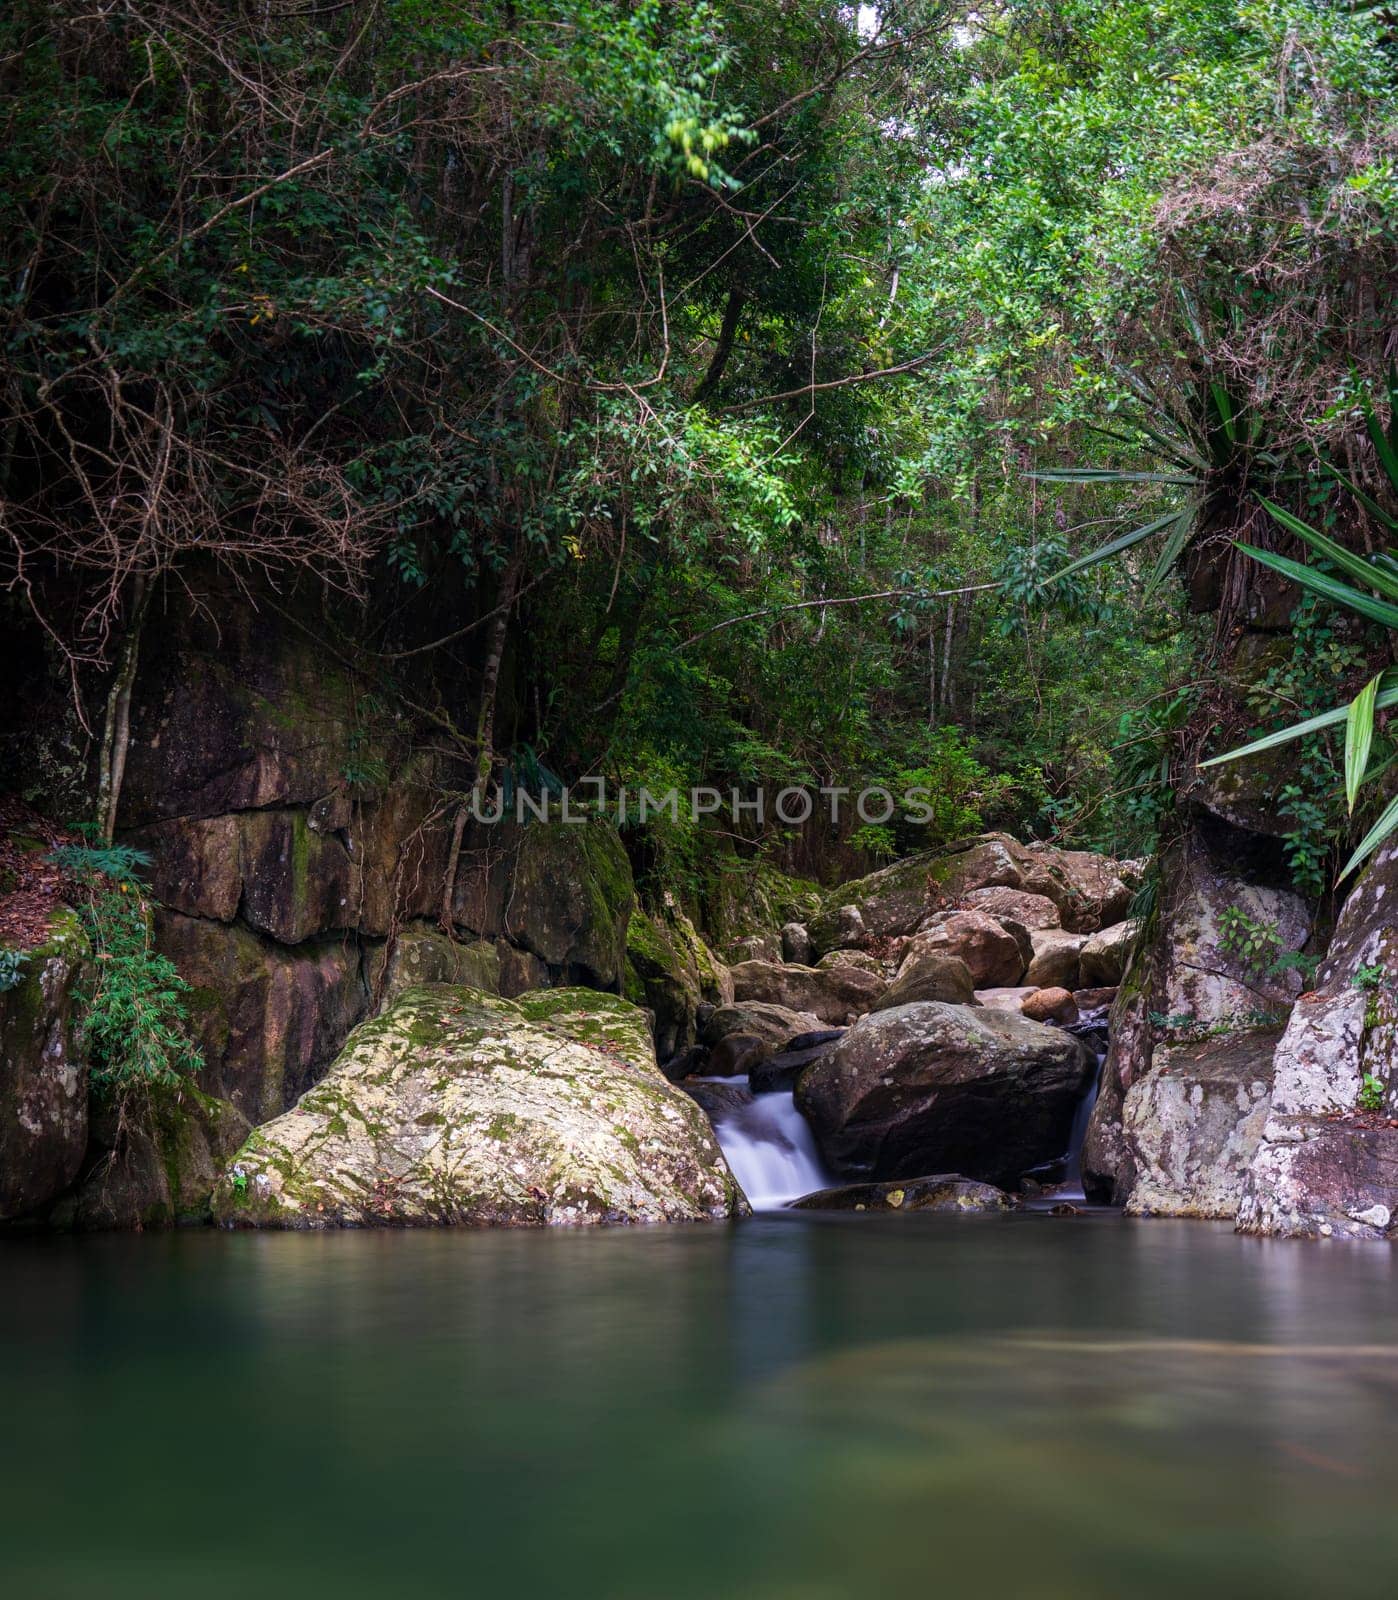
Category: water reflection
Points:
column 798, row 1406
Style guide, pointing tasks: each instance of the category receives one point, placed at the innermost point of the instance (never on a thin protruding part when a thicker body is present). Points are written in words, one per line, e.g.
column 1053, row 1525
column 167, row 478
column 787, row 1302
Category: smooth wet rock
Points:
column 267, row 1019
column 796, row 943
column 942, row 1192
column 43, row 1073
column 1050, row 1005
column 1088, row 1000
column 737, row 1055
column 991, row 952
column 832, row 993
column 1057, row 959
column 935, row 1087
column 457, row 1107
column 929, row 975
column 1194, row 1125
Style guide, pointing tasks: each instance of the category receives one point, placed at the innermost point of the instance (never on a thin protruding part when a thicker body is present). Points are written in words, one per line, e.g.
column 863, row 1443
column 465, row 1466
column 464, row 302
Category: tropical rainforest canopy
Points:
column 718, row 393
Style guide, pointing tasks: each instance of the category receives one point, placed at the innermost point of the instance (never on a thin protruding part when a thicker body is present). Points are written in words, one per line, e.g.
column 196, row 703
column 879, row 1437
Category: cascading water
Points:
column 767, row 1143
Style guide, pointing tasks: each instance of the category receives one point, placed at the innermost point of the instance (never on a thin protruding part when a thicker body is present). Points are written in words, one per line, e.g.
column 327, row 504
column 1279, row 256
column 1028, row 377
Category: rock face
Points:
column 1320, row 1170
column 43, row 1076
column 833, row 994
column 991, row 952
column 154, row 1166
column 944, row 1192
column 929, row 975
column 456, row 1107
column 945, row 1088
column 1194, row 1125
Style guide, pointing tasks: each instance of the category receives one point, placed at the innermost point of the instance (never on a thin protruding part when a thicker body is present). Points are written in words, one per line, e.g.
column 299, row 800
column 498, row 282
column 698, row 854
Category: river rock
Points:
column 1102, row 960
column 1089, row 1000
column 796, row 944
column 1032, row 911
column 43, row 1073
column 781, row 1071
column 930, row 975
column 840, row 927
column 1057, row 959
column 736, row 1055
column 1011, row 999
column 833, row 994
column 774, row 1025
column 992, row 953
column 1050, row 1005
column 1322, row 1169
column 852, row 958
column 457, row 1107
column 1194, row 1125
column 943, row 1192
column 935, row 1087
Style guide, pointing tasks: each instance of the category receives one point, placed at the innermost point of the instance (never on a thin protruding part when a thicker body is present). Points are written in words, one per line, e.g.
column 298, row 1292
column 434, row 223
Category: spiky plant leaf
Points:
column 1359, row 737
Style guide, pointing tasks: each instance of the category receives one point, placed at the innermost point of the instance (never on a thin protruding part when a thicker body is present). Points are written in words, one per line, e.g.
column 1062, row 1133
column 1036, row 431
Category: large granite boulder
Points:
column 774, row 1025
column 992, row 953
column 1104, row 957
column 1324, row 1168
column 1194, row 1124
column 457, row 1107
column 945, row 1088
column 833, row 994
column 930, row 975
column 43, row 1074
column 1033, row 911
column 1057, row 959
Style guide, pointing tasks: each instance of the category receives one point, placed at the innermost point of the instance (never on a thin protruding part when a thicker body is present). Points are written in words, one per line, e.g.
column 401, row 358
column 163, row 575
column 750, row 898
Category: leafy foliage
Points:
column 133, row 1004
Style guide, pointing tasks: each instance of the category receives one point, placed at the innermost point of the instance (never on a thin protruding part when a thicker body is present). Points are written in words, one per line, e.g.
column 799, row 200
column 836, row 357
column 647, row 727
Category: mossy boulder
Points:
column 421, row 954
column 459, row 1107
column 671, row 971
column 569, row 900
column 43, row 1075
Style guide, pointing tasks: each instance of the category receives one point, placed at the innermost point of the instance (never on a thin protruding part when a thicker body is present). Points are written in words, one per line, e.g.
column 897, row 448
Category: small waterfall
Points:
column 767, row 1143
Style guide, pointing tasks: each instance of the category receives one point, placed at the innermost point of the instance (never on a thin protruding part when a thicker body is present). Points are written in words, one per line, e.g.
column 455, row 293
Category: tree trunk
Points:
column 116, row 733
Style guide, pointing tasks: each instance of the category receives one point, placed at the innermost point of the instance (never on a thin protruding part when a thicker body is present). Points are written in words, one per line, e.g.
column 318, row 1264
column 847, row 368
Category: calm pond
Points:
column 791, row 1408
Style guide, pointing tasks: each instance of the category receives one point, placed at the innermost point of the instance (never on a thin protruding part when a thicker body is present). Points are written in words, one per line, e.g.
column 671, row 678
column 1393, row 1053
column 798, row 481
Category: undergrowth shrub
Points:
column 134, row 1021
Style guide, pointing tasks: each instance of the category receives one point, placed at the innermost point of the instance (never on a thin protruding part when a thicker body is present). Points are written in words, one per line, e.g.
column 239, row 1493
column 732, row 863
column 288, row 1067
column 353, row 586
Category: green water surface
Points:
column 791, row 1408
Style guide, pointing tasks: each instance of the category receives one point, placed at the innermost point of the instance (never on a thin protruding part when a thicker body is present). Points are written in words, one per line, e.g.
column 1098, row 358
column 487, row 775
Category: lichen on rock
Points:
column 458, row 1107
